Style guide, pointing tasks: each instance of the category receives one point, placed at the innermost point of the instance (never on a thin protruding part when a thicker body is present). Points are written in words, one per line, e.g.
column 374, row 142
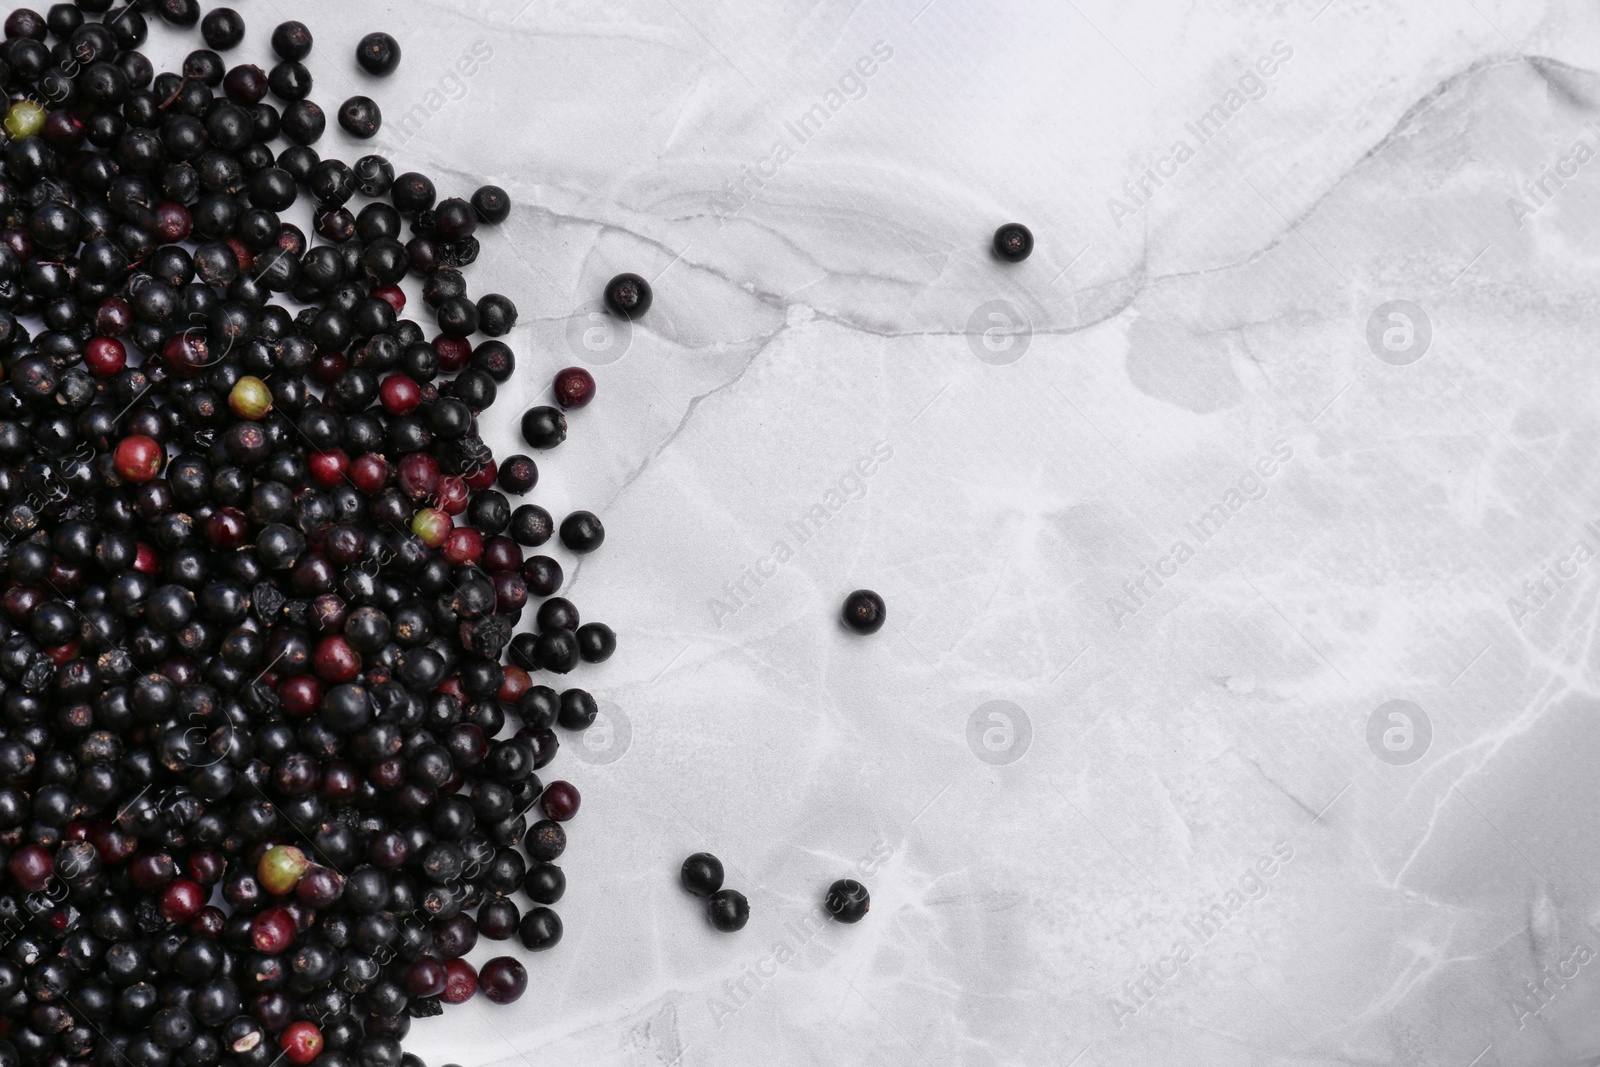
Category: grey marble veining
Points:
column 1238, row 698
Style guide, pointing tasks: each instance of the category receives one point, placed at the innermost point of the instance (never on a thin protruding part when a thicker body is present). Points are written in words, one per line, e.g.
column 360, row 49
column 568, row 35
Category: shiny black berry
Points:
column 728, row 910
column 847, row 900
column 701, row 874
column 378, row 54
column 628, row 295
column 864, row 611
column 1013, row 242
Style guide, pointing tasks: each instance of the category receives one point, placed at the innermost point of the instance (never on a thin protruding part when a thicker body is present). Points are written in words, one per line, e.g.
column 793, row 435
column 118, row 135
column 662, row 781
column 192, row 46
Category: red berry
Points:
column 560, row 801
column 182, row 900
column 454, row 352
column 482, row 477
column 369, row 473
column 464, row 545
column 460, row 982
column 329, row 468
column 300, row 695
column 399, row 394
column 173, row 222
column 574, row 387
column 32, row 867
column 418, row 475
column 517, row 682
column 301, row 1043
column 335, row 661
column 145, row 560
column 139, row 458
column 272, row 931
column 392, row 295
column 227, row 528
column 186, row 354
column 452, row 495
column 105, row 356
column 503, row 979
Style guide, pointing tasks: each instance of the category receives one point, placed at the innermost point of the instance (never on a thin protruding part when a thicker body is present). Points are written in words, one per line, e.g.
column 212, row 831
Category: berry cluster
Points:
column 265, row 779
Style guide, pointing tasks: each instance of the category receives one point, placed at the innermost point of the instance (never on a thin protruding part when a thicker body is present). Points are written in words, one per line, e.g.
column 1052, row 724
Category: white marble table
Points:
column 1299, row 336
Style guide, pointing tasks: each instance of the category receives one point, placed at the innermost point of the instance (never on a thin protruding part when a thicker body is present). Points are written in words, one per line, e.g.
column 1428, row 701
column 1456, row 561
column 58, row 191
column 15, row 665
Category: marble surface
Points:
column 1221, row 717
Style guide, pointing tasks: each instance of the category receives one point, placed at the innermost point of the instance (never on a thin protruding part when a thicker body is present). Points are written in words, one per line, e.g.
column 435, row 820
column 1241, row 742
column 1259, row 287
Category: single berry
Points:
column 139, row 458
column 560, row 801
column 222, row 28
column 1013, row 242
column 540, row 929
column 272, row 931
column 378, row 54
column 292, row 41
column 301, row 1043
column 543, row 427
column 281, row 868
column 864, row 611
column 250, row 398
column 360, row 117
column 582, row 532
column 460, row 982
column 847, row 900
column 701, row 874
column 503, row 979
column 628, row 295
column 492, row 204
column 574, row 388
column 728, row 910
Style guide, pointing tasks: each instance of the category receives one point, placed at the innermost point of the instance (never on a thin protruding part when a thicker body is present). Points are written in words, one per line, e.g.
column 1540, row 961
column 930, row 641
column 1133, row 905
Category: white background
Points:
column 1026, row 871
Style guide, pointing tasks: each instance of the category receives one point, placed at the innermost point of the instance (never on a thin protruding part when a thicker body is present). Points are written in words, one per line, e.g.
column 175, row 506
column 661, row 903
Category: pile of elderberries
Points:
column 264, row 777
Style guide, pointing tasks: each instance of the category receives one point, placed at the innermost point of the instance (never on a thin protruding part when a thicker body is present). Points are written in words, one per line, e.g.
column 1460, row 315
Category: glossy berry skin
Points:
column 503, row 979
column 433, row 526
column 847, row 901
column 301, row 1043
column 492, row 204
column 540, row 929
column 728, row 910
column 1013, row 242
column 272, row 931
column 182, row 900
column 138, row 458
column 560, row 801
column 596, row 642
column 222, row 28
column 378, row 54
column 701, row 874
column 32, row 867
column 292, row 41
column 105, row 356
column 518, row 474
column 281, row 869
column 628, row 295
column 574, row 388
column 250, row 398
column 864, row 611
column 399, row 394
column 582, row 532
column 545, row 883
column 360, row 117
column 544, row 427
column 460, row 982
